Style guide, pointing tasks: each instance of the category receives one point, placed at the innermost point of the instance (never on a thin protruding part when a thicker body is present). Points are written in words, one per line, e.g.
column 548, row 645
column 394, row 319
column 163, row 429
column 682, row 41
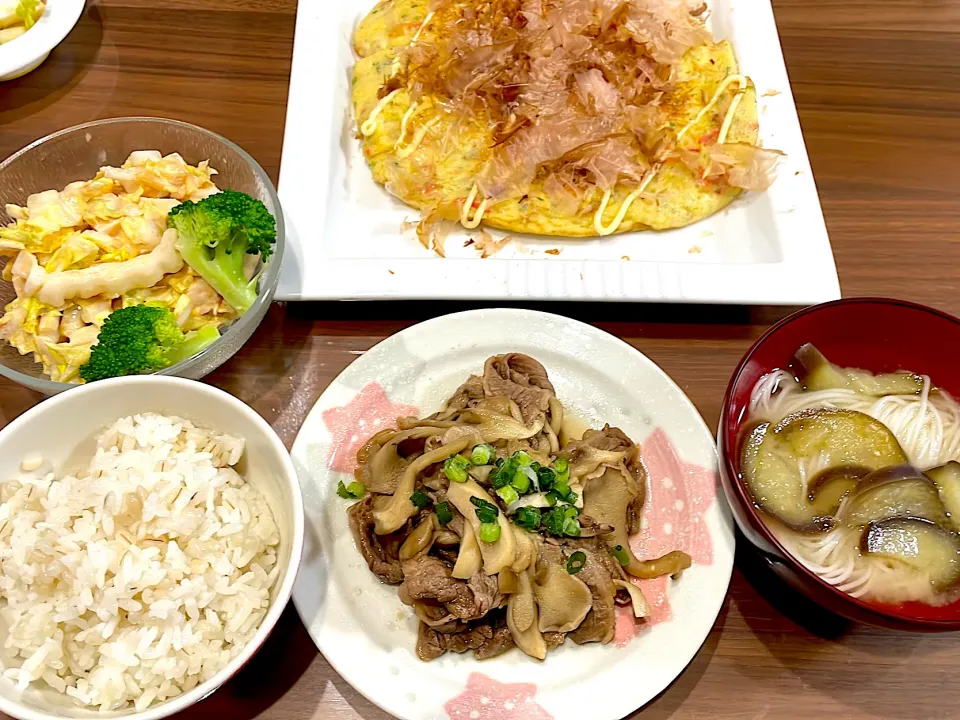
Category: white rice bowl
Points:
column 141, row 575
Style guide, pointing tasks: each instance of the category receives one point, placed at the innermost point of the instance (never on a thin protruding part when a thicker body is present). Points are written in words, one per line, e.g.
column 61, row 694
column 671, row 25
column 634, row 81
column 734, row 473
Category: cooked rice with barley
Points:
column 142, row 575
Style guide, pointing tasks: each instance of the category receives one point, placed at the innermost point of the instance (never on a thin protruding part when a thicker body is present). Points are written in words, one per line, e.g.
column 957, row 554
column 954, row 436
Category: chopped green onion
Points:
column 545, row 477
column 572, row 497
column 489, row 532
column 499, row 462
column 352, row 491
column 553, row 521
column 508, row 494
column 499, row 479
column 527, row 518
column 535, row 466
column 621, row 555
column 486, row 512
column 504, row 473
column 482, row 454
column 522, row 458
column 576, row 562
column 455, row 468
column 443, row 513
column 562, row 489
column 561, row 521
column 553, row 498
column 520, row 481
column 420, row 499
column 562, row 468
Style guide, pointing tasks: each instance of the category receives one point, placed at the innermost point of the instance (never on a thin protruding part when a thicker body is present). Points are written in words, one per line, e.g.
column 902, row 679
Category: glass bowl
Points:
column 876, row 334
column 77, row 153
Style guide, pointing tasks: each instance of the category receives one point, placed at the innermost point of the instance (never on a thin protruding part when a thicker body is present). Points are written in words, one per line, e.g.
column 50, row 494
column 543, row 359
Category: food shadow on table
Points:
column 596, row 313
column 783, row 599
column 363, row 707
column 274, row 379
column 670, row 701
column 59, row 74
column 823, row 640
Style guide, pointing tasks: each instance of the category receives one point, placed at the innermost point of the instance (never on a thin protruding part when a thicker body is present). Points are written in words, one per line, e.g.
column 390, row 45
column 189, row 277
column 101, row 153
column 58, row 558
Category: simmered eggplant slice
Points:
column 922, row 545
column 840, row 437
column 895, row 492
column 773, row 479
column 947, row 479
column 830, row 487
column 818, row 373
column 773, row 458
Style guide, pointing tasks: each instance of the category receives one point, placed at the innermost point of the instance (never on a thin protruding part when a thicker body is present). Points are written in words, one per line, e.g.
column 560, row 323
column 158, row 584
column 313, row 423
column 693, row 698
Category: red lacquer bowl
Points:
column 875, row 334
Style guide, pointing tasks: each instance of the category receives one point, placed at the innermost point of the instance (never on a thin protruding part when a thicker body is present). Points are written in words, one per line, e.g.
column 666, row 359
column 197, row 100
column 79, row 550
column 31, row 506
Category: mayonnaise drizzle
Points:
column 465, row 219
column 725, row 126
column 370, row 124
column 728, row 120
column 624, row 206
column 741, row 80
column 403, row 124
column 418, row 136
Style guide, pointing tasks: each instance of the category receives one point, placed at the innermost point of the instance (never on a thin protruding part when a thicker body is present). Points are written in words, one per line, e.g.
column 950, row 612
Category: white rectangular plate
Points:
column 344, row 237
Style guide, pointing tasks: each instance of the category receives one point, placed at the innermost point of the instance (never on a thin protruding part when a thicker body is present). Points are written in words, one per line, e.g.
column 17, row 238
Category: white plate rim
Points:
column 298, row 452
column 806, row 274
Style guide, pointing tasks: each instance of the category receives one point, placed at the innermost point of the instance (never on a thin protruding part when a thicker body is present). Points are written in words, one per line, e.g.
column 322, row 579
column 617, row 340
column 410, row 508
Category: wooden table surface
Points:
column 877, row 85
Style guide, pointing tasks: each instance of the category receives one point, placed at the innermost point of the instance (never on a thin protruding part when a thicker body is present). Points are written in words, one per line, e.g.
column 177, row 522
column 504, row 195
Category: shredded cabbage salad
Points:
column 81, row 239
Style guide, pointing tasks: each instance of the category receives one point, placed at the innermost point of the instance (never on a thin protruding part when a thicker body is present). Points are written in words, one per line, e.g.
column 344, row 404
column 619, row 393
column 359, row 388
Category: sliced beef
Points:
column 520, row 378
column 487, row 638
column 437, row 617
column 612, row 439
column 428, row 580
column 486, row 592
column 501, row 641
column 598, row 574
column 554, row 640
column 437, row 481
column 597, row 550
column 432, row 644
column 472, row 389
column 590, row 528
column 380, row 551
column 448, row 555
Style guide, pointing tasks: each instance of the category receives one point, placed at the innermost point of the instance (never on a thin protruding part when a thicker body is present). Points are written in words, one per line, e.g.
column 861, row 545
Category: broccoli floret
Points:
column 216, row 233
column 142, row 339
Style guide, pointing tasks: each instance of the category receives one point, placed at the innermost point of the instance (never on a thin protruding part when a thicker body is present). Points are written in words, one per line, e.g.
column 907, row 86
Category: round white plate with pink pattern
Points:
column 369, row 636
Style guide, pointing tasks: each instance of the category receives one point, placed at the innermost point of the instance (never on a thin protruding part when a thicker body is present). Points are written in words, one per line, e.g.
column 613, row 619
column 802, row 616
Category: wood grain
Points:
column 877, row 86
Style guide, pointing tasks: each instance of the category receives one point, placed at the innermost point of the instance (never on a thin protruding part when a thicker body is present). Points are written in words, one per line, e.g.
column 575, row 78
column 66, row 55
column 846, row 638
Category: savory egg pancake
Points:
column 555, row 117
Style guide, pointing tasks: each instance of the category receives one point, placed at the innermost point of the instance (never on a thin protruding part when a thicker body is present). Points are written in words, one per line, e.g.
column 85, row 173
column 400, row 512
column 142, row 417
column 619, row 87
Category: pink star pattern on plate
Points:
column 487, row 699
column 352, row 424
column 678, row 496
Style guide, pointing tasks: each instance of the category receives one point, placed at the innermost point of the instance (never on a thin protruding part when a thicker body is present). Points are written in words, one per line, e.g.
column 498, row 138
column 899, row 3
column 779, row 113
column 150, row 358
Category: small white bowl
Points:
column 27, row 52
column 62, row 430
